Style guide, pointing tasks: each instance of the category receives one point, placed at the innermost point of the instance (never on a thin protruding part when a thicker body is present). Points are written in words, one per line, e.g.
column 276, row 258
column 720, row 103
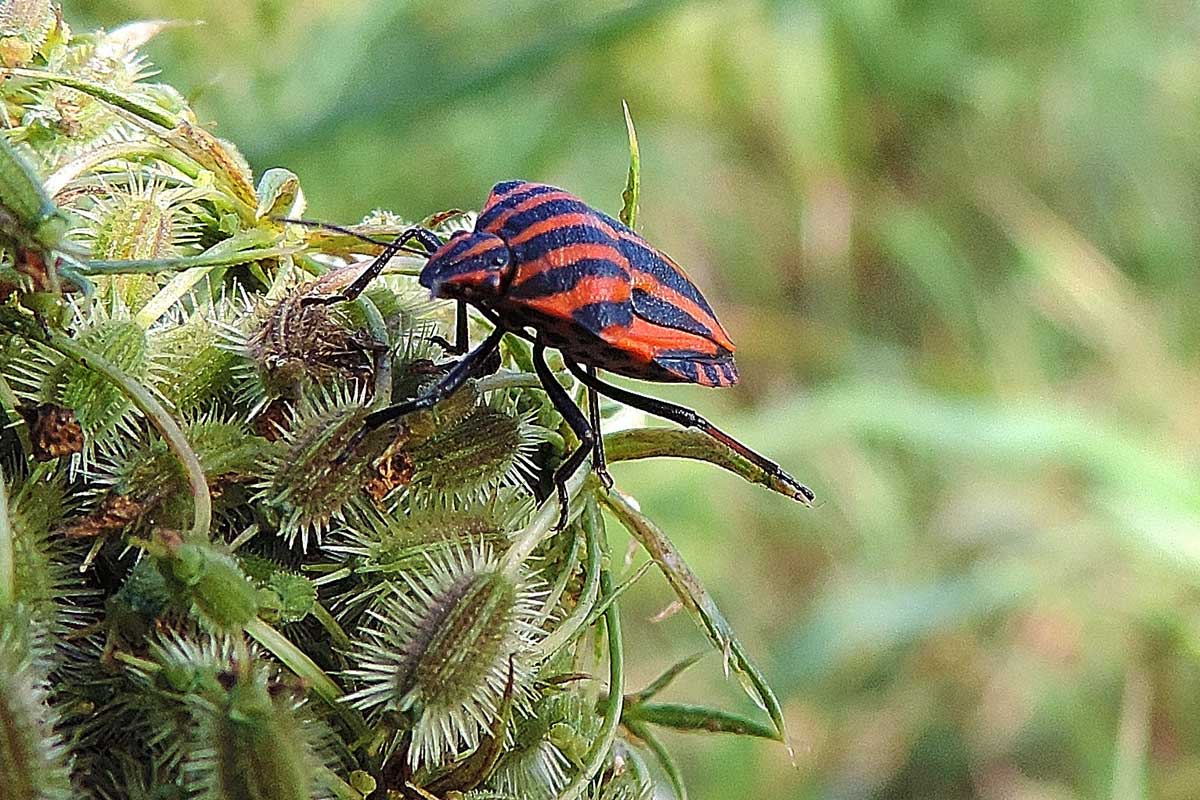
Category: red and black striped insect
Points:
column 542, row 264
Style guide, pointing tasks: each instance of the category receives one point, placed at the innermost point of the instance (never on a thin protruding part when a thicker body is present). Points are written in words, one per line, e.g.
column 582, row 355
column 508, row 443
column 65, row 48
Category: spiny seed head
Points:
column 41, row 583
column 102, row 409
column 383, row 548
column 392, row 544
column 63, row 122
column 25, row 26
column 33, row 759
column 150, row 475
column 318, row 470
column 547, row 742
column 138, row 219
column 189, row 661
column 440, row 648
column 295, row 347
column 487, row 448
column 253, row 741
column 194, row 367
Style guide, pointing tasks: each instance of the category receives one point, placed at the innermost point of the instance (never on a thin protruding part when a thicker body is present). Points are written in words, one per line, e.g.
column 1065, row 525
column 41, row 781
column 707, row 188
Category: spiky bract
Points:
column 253, row 742
column 319, row 469
column 33, row 758
column 441, row 648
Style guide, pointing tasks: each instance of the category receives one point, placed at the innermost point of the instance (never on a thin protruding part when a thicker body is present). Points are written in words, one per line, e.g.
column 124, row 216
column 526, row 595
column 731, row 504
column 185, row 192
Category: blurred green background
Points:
column 956, row 244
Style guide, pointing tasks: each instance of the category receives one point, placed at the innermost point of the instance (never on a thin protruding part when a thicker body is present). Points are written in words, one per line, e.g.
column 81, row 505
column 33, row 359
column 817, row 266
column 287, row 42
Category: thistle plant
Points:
column 211, row 583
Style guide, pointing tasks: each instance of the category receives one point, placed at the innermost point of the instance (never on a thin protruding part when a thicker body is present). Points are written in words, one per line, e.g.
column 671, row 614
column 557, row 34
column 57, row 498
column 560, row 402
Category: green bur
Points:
column 253, row 745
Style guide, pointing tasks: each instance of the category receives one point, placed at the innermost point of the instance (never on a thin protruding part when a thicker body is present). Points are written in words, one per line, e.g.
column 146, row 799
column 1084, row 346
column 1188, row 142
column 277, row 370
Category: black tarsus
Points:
column 462, row 339
column 599, row 464
column 690, row 419
column 575, row 419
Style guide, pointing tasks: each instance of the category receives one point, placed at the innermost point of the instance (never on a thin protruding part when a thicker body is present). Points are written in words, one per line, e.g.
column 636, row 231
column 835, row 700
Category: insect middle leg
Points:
column 574, row 418
column 446, row 385
column 690, row 419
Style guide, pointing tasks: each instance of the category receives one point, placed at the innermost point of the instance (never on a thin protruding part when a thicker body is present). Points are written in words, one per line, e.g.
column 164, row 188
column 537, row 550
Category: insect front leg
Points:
column 427, row 238
column 690, row 419
column 575, row 419
column 462, row 338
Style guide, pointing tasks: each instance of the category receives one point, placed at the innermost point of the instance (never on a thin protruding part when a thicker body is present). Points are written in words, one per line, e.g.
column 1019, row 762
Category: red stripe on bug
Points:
column 569, row 254
column 525, row 205
column 651, row 285
column 647, row 341
column 561, row 221
column 477, row 248
column 589, row 290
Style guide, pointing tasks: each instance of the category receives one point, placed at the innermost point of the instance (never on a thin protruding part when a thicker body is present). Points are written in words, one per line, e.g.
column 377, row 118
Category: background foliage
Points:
column 956, row 246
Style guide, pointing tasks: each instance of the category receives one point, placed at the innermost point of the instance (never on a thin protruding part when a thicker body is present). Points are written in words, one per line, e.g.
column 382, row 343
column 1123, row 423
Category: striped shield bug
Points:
column 543, row 265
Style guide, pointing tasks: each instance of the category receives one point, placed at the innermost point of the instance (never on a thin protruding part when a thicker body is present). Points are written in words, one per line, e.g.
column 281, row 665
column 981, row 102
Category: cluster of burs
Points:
column 215, row 580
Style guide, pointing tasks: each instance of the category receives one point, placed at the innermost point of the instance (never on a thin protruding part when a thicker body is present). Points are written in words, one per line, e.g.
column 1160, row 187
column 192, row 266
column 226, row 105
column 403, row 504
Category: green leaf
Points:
column 629, row 197
column 663, row 681
column 638, row 443
column 700, row 719
column 699, row 603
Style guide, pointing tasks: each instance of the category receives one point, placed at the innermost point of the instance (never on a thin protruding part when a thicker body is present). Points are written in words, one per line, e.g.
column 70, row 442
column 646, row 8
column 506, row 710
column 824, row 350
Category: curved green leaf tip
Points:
column 629, row 197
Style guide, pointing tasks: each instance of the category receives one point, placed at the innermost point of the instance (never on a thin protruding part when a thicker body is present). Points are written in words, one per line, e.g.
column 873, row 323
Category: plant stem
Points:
column 298, row 662
column 154, row 266
column 336, row 633
column 8, row 588
column 594, row 761
column 166, row 426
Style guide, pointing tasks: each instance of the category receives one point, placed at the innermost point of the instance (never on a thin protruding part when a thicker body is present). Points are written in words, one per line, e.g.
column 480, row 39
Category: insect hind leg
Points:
column 599, row 463
column 575, row 419
column 690, row 419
